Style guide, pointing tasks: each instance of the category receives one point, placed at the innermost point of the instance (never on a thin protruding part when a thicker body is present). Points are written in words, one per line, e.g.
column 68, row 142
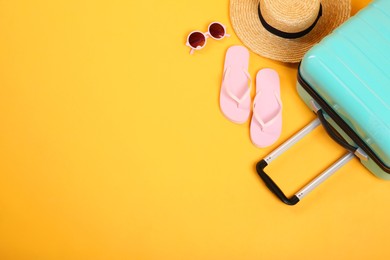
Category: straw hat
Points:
column 285, row 29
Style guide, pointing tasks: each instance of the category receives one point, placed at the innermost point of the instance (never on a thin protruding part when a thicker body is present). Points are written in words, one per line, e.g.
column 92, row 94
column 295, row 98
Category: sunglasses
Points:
column 196, row 40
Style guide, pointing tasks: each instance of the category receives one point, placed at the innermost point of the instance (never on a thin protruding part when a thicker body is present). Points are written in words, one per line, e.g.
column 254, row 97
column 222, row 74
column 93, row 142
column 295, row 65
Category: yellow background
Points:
column 112, row 145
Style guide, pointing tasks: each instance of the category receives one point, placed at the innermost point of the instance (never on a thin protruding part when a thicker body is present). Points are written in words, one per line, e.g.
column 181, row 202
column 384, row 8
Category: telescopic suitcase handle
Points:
column 272, row 186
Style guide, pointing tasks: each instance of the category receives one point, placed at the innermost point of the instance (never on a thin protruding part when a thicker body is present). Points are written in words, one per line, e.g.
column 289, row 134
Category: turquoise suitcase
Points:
column 345, row 80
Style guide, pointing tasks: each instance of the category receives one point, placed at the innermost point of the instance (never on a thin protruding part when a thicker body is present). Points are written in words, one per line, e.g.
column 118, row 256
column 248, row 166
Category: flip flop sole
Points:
column 266, row 123
column 234, row 95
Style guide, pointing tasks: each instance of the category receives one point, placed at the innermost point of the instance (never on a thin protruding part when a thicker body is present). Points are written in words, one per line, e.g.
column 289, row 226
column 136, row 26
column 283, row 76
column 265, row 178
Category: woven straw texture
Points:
column 288, row 16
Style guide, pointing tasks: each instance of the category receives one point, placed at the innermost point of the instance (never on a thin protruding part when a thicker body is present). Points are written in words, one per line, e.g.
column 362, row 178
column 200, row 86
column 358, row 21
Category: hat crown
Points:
column 290, row 16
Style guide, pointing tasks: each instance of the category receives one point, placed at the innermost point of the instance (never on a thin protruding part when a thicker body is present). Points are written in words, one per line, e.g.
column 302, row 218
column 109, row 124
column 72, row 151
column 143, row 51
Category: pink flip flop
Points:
column 235, row 98
column 266, row 124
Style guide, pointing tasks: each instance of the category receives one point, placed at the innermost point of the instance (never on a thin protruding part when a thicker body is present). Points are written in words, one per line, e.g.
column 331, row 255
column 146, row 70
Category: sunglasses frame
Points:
column 206, row 35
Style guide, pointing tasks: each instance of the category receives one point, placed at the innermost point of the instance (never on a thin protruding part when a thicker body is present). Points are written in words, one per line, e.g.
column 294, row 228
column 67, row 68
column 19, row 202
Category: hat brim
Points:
column 246, row 23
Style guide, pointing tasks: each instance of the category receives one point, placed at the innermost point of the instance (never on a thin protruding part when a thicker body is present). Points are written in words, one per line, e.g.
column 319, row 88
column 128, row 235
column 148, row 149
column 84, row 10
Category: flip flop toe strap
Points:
column 261, row 122
column 230, row 93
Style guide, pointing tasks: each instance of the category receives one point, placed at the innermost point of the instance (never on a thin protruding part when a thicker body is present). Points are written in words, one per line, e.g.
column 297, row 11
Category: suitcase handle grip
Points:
column 334, row 134
column 272, row 186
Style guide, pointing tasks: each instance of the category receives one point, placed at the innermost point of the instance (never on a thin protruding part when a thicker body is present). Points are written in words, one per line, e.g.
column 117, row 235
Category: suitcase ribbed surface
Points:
column 350, row 69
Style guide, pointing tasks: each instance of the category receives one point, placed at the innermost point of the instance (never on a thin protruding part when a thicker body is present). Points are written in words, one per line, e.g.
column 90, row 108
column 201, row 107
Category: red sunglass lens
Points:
column 196, row 39
column 216, row 30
